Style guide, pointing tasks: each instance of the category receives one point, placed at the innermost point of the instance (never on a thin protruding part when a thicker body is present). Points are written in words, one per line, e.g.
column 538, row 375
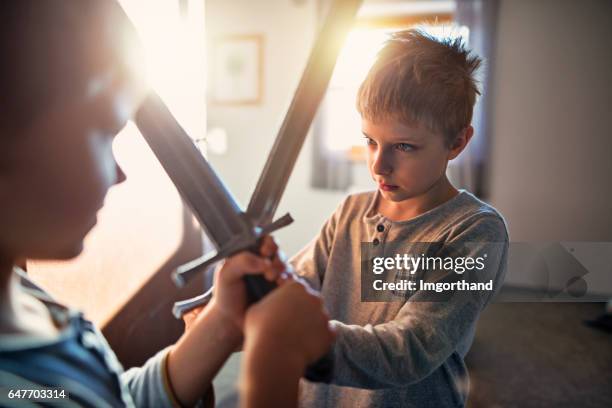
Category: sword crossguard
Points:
column 186, row 272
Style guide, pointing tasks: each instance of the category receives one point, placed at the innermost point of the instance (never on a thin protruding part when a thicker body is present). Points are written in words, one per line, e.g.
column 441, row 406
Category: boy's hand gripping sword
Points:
column 229, row 228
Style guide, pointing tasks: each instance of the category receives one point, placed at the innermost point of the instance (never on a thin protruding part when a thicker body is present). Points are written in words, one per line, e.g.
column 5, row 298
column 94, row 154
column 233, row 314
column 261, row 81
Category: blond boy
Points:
column 416, row 105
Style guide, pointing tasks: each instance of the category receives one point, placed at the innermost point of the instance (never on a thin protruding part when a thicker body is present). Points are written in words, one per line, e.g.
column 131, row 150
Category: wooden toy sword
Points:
column 230, row 229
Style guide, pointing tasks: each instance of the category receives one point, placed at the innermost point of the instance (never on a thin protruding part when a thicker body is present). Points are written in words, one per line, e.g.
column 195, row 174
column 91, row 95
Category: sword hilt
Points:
column 257, row 287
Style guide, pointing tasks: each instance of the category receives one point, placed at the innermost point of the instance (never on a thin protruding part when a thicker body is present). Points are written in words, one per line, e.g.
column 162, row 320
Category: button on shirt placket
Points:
column 382, row 232
column 380, row 235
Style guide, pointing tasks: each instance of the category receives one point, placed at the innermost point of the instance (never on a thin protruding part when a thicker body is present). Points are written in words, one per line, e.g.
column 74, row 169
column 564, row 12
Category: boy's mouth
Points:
column 387, row 187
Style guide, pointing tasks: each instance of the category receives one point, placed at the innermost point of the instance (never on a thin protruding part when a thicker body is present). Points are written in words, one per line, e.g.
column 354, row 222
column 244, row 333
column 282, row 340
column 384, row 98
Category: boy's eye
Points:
column 369, row 141
column 405, row 147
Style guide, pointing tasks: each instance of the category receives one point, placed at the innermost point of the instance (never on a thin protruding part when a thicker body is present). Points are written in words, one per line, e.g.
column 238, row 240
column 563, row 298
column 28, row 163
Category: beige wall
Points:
column 288, row 28
column 552, row 147
column 551, row 161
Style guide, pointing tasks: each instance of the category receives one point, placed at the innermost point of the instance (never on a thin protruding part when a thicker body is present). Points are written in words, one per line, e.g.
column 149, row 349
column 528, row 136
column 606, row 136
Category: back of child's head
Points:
column 417, row 78
column 51, row 50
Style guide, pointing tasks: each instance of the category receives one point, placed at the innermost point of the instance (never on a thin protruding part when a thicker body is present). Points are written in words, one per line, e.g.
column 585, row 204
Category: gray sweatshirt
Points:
column 405, row 353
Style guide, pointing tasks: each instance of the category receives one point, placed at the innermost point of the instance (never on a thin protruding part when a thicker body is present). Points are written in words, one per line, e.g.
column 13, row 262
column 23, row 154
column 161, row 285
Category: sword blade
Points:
column 308, row 96
column 196, row 181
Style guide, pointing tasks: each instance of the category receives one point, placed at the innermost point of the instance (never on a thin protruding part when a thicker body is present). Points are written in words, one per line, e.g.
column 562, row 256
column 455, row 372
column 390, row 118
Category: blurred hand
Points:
column 213, row 332
column 229, row 294
column 289, row 324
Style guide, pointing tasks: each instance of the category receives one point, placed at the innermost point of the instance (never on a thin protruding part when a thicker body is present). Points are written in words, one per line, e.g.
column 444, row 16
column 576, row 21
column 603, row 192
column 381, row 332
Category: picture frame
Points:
column 238, row 70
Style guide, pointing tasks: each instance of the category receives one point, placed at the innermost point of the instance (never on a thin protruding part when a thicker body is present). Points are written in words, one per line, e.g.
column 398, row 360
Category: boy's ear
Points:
column 462, row 139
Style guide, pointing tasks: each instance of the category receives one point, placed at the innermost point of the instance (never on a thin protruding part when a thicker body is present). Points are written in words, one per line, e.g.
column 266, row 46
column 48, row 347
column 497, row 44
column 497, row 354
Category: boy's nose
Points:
column 381, row 164
column 121, row 177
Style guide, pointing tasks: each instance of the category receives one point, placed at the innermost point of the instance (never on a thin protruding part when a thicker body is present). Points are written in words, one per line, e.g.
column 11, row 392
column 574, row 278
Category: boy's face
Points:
column 405, row 161
column 57, row 175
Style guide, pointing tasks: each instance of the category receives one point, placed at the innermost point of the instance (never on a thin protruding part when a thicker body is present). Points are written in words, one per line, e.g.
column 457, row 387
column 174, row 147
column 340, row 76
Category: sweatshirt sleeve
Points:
column 424, row 333
column 147, row 385
column 310, row 262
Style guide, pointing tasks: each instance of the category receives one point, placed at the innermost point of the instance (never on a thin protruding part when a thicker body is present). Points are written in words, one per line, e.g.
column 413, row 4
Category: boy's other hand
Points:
column 289, row 326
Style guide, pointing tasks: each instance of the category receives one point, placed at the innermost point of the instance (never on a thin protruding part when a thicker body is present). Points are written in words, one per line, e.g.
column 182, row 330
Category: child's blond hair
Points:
column 417, row 78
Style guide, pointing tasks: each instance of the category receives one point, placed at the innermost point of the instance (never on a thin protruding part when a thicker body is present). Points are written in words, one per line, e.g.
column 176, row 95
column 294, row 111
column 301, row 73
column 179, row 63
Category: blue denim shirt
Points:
column 78, row 361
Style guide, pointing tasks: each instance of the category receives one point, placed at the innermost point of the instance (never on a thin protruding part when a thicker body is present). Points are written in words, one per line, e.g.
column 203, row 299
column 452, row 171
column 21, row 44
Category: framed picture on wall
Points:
column 237, row 77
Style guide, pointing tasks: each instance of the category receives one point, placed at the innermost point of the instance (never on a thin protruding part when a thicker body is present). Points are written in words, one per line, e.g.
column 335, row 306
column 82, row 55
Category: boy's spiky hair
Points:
column 417, row 78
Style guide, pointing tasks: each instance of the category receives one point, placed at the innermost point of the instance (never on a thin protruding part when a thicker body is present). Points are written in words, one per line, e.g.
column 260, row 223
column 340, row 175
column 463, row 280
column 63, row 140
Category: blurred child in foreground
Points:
column 67, row 90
